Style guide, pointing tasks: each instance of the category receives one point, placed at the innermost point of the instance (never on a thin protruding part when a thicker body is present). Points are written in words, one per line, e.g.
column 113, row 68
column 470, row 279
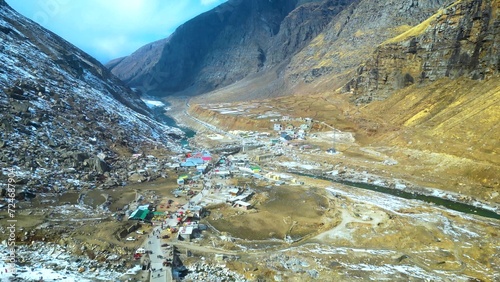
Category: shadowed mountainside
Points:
column 298, row 44
column 237, row 39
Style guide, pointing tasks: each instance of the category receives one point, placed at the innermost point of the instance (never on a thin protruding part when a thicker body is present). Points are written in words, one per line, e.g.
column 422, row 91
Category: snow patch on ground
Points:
column 153, row 103
column 52, row 264
column 299, row 165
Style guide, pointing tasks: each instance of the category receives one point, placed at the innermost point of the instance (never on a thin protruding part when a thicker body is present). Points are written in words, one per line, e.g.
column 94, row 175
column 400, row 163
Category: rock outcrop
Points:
column 351, row 37
column 461, row 39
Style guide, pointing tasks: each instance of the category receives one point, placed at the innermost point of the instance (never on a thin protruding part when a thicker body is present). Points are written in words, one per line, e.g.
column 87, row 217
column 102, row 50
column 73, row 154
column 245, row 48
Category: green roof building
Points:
column 139, row 214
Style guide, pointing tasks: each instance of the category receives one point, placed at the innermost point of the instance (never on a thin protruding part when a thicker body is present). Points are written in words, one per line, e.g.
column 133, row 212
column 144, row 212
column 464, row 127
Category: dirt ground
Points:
column 279, row 211
column 348, row 234
column 85, row 225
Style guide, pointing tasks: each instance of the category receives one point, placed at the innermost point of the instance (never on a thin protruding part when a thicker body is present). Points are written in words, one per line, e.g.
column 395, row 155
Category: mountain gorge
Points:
column 66, row 120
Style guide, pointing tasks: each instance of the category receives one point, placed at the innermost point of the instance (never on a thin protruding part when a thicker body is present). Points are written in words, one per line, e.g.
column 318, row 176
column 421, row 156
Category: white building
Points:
column 186, row 233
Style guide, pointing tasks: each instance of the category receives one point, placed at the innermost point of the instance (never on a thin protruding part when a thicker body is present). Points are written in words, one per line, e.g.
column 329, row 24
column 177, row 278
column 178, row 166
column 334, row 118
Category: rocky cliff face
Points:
column 351, row 37
column 231, row 42
column 65, row 118
column 461, row 39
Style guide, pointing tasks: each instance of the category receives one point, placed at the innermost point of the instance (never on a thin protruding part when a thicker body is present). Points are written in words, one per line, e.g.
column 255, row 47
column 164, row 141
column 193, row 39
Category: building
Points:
column 331, row 151
column 141, row 213
column 239, row 197
column 272, row 176
column 222, row 172
column 285, row 137
column 263, row 157
column 255, row 168
column 305, row 126
column 182, row 179
column 201, row 168
column 234, row 191
column 195, row 160
column 277, row 127
column 199, row 157
column 242, row 205
column 190, row 163
column 238, row 160
column 185, row 233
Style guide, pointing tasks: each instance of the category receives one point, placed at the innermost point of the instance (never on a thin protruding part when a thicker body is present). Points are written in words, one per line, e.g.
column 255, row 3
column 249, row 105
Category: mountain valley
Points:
column 297, row 105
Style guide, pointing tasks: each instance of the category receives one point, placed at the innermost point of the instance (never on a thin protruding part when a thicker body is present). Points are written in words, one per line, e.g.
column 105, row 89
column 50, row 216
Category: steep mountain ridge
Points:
column 64, row 119
column 438, row 84
column 330, row 59
column 237, row 39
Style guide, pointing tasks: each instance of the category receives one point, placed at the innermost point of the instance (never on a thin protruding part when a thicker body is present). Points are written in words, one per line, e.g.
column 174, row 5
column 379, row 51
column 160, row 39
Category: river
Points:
column 161, row 114
column 453, row 205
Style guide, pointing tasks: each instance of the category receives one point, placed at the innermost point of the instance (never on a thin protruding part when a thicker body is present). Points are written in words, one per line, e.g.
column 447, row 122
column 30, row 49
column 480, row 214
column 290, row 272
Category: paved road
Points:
column 160, row 273
column 204, row 249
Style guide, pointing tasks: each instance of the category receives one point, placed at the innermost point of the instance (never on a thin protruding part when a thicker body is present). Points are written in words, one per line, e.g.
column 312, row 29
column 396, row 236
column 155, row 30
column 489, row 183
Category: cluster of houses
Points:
column 197, row 179
column 198, row 160
column 288, row 131
column 239, row 196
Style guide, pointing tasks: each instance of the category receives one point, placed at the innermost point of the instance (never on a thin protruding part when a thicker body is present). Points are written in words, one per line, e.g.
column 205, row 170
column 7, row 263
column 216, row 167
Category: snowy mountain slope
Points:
column 63, row 116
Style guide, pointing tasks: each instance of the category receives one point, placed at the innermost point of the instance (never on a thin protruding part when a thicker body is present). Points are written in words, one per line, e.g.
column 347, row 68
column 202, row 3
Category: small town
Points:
column 205, row 181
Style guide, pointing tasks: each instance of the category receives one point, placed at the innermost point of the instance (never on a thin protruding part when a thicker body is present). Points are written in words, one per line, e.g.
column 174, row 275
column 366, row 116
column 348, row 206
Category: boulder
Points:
column 79, row 156
column 100, row 166
column 19, row 107
column 136, row 177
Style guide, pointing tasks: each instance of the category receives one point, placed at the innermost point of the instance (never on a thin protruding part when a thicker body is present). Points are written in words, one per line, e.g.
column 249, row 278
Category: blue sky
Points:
column 108, row 29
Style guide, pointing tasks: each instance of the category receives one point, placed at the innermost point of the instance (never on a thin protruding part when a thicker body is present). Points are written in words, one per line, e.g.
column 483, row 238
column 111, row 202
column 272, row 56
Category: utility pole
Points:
column 334, row 139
